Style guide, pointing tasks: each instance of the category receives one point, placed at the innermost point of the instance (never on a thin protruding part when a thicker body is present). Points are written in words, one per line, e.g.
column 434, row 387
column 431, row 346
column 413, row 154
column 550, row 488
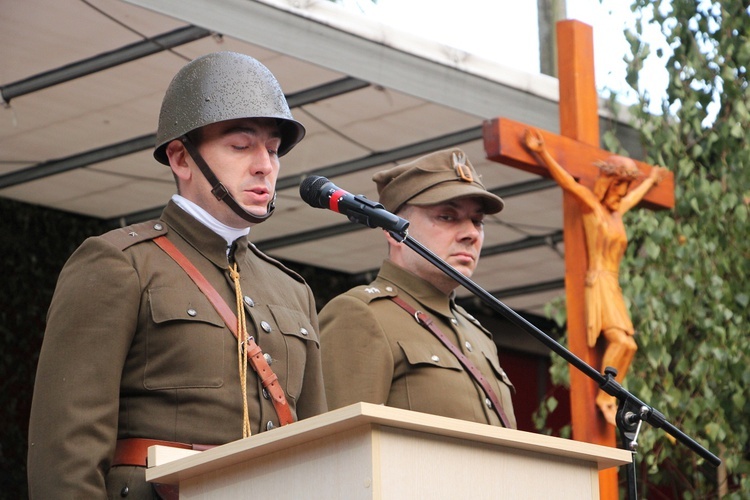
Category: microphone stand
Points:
column 631, row 412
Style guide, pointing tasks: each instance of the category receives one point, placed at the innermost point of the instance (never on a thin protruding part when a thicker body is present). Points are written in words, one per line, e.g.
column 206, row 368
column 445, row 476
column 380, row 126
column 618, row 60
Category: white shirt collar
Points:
column 230, row 234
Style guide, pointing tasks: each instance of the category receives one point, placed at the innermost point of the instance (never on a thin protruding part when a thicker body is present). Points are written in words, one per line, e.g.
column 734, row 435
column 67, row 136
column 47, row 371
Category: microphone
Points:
column 319, row 192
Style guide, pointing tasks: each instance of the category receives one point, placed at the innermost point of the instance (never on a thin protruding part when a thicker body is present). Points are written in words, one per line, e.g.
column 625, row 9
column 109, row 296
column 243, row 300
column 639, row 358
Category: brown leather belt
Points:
column 134, row 451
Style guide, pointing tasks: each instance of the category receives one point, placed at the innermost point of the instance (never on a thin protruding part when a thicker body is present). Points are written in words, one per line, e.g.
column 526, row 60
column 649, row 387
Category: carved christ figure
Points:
column 602, row 209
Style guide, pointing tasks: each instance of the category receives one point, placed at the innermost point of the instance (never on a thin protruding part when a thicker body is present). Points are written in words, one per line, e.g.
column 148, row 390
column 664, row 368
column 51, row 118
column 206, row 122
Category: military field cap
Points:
column 434, row 178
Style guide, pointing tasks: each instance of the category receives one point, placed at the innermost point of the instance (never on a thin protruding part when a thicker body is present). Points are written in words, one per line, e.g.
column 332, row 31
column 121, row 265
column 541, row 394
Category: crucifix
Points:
column 576, row 162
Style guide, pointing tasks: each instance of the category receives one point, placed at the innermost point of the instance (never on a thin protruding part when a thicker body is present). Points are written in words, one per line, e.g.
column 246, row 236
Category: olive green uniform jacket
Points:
column 374, row 351
column 133, row 349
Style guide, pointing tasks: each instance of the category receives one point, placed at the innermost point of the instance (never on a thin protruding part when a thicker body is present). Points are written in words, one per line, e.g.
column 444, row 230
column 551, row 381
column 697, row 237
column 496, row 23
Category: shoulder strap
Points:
column 428, row 324
column 255, row 355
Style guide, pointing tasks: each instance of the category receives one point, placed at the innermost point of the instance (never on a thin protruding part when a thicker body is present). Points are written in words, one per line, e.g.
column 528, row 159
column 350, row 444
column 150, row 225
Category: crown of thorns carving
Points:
column 619, row 166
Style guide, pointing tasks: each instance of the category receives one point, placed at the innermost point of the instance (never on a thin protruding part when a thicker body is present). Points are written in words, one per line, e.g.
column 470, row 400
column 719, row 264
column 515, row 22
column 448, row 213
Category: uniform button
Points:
column 124, row 491
column 435, row 358
column 454, row 321
column 265, row 394
column 266, row 327
column 304, row 331
column 488, row 402
column 269, row 359
column 158, row 227
column 192, row 312
column 269, row 425
column 468, row 346
column 389, row 289
column 249, row 301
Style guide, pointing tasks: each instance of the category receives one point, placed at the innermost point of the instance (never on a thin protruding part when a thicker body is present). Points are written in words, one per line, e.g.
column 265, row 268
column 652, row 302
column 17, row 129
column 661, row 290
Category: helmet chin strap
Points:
column 220, row 192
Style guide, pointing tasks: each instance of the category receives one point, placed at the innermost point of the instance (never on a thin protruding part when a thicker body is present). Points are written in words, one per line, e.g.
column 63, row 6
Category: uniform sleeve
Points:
column 90, row 325
column 357, row 358
column 312, row 400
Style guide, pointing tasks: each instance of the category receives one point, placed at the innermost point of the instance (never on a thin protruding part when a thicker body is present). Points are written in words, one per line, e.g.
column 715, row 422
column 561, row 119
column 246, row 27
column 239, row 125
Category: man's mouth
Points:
column 258, row 192
column 464, row 256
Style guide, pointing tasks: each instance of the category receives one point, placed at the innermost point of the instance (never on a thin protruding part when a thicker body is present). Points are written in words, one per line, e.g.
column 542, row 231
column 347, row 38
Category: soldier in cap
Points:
column 373, row 349
column 138, row 350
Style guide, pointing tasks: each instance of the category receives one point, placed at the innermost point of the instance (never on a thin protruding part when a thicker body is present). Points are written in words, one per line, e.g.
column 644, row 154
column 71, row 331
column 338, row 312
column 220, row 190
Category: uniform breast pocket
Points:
column 419, row 354
column 433, row 382
column 185, row 342
column 299, row 336
column 499, row 372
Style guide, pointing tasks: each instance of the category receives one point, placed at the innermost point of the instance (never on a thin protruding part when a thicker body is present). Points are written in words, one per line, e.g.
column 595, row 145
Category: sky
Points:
column 506, row 31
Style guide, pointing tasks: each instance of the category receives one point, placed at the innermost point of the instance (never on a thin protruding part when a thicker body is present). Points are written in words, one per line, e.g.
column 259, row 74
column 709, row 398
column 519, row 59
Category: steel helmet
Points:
column 223, row 86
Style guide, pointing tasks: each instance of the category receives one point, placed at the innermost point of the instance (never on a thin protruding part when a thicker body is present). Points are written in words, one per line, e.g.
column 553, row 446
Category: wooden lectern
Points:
column 367, row 451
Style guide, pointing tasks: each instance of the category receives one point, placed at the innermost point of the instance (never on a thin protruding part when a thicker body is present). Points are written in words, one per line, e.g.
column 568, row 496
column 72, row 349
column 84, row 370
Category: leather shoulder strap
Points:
column 428, row 324
column 255, row 355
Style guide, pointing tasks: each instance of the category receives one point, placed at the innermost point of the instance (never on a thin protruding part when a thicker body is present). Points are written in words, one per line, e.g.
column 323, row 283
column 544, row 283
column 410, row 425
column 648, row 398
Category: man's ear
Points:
column 390, row 239
column 178, row 159
column 394, row 246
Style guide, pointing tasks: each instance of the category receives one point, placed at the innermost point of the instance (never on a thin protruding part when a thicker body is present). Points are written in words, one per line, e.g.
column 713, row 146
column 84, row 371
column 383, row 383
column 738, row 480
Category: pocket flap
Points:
column 495, row 363
column 419, row 353
column 176, row 304
column 293, row 322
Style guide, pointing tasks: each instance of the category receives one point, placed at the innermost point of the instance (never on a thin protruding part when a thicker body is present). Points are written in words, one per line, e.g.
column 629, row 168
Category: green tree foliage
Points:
column 687, row 271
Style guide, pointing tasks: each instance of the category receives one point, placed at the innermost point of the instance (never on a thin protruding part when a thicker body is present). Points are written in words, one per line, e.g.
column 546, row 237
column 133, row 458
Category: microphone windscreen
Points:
column 309, row 191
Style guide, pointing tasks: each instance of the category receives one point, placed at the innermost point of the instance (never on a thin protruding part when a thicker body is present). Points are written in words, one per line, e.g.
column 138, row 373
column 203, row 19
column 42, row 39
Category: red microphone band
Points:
column 333, row 203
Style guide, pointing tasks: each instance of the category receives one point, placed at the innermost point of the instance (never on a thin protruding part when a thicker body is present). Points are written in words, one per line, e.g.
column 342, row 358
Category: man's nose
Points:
column 262, row 162
column 469, row 230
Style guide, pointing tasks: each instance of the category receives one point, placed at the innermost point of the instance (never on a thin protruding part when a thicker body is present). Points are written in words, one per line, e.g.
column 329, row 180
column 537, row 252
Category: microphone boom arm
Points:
column 372, row 214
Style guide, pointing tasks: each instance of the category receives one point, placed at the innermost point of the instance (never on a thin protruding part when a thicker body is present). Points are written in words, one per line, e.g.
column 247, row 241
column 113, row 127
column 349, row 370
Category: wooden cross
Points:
column 577, row 150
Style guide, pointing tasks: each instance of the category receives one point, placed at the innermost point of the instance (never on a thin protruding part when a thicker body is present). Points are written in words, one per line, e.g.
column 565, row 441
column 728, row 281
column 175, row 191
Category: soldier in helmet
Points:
column 152, row 327
column 444, row 363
